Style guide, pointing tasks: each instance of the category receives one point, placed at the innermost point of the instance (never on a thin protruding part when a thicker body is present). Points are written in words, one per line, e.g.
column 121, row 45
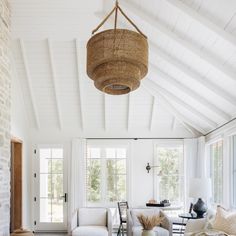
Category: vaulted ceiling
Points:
column 190, row 88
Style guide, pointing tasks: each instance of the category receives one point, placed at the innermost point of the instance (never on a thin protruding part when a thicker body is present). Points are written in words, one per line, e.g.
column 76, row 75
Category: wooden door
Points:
column 16, row 185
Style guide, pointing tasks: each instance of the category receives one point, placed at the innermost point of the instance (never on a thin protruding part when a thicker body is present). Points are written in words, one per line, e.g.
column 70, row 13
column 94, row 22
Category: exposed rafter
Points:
column 174, row 98
column 190, row 93
column 28, row 79
column 152, row 113
column 156, row 51
column 188, row 124
column 51, row 60
column 78, row 67
column 213, row 27
column 137, row 13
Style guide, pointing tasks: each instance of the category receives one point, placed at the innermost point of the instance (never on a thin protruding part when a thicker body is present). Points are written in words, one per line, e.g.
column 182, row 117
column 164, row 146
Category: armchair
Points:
column 134, row 227
column 91, row 222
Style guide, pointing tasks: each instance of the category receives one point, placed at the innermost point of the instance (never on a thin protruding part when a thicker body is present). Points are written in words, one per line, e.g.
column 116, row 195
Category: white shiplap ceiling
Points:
column 190, row 88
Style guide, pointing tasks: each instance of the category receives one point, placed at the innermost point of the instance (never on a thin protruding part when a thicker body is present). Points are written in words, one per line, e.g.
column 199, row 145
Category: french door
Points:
column 50, row 188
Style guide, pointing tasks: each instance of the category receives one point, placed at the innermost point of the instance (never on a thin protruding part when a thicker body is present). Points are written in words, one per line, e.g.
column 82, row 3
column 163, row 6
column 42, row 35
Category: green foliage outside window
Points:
column 171, row 175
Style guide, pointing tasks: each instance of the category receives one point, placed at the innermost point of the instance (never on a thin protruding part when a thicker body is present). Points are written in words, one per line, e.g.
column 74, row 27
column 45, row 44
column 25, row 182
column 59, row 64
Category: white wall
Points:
column 141, row 182
column 20, row 130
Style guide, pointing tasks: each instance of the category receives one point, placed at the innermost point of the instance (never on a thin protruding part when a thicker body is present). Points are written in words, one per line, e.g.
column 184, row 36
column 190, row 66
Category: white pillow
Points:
column 225, row 221
column 92, row 216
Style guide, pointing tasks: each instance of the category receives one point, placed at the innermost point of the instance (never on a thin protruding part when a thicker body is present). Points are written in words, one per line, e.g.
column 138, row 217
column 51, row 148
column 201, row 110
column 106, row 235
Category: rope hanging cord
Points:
column 116, row 9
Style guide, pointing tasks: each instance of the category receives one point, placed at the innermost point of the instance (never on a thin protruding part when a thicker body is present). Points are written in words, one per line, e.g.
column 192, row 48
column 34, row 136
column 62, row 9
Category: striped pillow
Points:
column 225, row 221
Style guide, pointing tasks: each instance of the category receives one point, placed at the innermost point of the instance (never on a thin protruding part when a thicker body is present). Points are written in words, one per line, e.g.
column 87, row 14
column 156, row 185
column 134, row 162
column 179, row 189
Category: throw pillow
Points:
column 225, row 221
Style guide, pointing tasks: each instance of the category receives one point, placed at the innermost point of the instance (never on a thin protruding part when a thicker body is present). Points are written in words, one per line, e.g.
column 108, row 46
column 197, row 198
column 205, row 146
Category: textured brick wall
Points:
column 5, row 83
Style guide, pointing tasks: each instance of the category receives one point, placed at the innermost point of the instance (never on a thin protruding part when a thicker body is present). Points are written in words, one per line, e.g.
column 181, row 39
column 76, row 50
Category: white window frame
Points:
column 35, row 190
column 208, row 167
column 231, row 150
column 106, row 143
column 167, row 143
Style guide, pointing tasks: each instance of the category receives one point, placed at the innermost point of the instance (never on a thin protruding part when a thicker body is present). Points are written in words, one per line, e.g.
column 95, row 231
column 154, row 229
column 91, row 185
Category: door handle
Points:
column 65, row 197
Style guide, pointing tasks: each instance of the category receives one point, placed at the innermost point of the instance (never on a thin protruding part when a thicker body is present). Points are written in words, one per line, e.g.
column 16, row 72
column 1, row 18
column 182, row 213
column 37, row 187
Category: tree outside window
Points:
column 106, row 174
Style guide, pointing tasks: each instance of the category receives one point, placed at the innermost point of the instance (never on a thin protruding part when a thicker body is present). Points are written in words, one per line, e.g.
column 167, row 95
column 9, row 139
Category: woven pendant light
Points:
column 117, row 59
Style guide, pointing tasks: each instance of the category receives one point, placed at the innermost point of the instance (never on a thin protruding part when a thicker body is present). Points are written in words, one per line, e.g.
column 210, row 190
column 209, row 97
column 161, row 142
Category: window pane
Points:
column 110, row 153
column 94, row 153
column 121, row 152
column 45, row 185
column 57, row 210
column 57, row 185
column 93, row 180
column 45, row 210
column 45, row 159
column 170, row 173
column 217, row 171
column 57, row 153
column 57, row 166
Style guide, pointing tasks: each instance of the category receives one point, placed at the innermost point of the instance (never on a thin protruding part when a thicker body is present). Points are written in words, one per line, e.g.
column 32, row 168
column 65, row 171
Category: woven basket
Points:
column 117, row 60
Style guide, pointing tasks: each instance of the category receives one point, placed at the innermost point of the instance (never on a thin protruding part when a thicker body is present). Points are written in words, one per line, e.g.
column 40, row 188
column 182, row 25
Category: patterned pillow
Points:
column 225, row 221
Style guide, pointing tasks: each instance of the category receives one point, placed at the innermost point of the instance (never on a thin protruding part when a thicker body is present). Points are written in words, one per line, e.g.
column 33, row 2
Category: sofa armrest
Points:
column 195, row 225
column 74, row 220
column 109, row 222
column 166, row 222
column 129, row 223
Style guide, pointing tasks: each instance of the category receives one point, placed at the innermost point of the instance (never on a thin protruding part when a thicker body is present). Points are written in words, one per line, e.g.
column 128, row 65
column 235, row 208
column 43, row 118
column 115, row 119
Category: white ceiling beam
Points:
column 152, row 113
column 190, row 92
column 157, row 52
column 171, row 96
column 213, row 27
column 128, row 111
column 53, row 73
column 28, row 79
column 79, row 68
column 188, row 124
column 138, row 14
column 173, row 125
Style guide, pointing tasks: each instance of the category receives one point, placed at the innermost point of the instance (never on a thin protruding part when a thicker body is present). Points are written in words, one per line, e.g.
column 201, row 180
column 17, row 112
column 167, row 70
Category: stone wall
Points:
column 5, row 84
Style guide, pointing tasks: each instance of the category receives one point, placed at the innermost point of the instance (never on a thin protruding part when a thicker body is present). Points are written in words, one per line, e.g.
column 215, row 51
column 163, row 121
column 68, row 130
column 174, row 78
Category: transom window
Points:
column 106, row 174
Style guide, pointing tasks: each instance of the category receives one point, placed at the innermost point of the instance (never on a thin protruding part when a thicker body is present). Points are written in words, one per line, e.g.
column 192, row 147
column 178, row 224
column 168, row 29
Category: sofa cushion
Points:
column 137, row 231
column 225, row 221
column 90, row 231
column 146, row 212
column 92, row 216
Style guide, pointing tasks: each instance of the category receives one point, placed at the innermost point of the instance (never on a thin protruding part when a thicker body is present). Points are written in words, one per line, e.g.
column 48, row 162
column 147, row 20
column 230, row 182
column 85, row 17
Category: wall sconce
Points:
column 148, row 167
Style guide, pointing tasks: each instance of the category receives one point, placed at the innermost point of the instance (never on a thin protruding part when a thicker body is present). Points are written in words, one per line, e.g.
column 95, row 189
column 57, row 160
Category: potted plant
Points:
column 148, row 223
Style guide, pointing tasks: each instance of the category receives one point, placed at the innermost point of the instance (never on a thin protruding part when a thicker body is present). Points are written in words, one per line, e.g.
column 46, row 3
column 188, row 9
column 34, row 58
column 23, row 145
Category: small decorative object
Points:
column 117, row 59
column 200, row 188
column 22, row 232
column 152, row 201
column 148, row 223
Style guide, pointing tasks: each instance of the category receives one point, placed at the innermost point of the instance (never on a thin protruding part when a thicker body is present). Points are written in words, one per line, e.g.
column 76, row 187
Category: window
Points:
column 170, row 173
column 106, row 174
column 51, row 184
column 216, row 170
column 234, row 171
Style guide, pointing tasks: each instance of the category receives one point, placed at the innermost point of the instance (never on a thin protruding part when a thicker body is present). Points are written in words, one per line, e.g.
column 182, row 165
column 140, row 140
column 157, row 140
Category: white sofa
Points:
column 134, row 227
column 91, row 222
